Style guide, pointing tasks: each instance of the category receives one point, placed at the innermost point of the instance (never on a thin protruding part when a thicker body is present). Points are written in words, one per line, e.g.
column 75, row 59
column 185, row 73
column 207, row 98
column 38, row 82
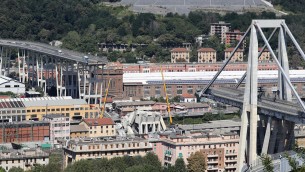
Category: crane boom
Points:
column 105, row 98
column 166, row 96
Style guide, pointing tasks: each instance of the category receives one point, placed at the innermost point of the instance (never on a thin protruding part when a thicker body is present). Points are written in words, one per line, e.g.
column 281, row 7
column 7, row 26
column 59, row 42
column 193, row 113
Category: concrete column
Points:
column 274, row 132
column 37, row 70
column 78, row 80
column 140, row 128
column 285, row 91
column 96, row 84
column 23, row 67
column 249, row 106
column 281, row 136
column 146, row 128
column 84, row 78
column 19, row 67
column 267, row 136
column 1, row 61
column 56, row 79
column 61, row 78
column 290, row 136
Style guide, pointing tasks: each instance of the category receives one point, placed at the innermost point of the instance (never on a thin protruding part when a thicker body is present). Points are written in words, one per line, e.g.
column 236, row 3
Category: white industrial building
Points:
column 205, row 75
column 9, row 84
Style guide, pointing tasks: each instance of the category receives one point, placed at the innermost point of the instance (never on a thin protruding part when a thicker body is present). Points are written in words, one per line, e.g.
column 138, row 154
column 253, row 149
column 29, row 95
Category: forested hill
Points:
column 295, row 6
column 82, row 24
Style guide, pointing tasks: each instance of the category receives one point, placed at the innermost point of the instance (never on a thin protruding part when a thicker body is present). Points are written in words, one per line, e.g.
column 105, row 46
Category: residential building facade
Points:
column 78, row 131
column 24, row 159
column 99, row 127
column 233, row 37
column 207, row 55
column 87, row 149
column 237, row 57
column 59, row 127
column 220, row 29
column 220, row 151
column 180, row 55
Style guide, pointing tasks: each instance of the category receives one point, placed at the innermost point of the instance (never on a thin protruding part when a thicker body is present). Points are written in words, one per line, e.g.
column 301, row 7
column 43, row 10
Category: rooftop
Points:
column 88, row 141
column 206, row 50
column 180, row 50
column 134, row 103
column 99, row 121
column 78, row 128
column 265, row 76
column 40, row 101
column 231, row 49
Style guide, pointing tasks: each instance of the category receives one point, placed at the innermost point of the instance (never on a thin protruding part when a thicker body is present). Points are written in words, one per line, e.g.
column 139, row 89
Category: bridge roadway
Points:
column 54, row 51
column 280, row 109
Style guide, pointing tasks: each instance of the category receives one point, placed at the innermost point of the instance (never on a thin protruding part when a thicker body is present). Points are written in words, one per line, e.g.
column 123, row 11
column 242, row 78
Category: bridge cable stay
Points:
column 225, row 64
column 280, row 67
column 260, row 53
column 293, row 40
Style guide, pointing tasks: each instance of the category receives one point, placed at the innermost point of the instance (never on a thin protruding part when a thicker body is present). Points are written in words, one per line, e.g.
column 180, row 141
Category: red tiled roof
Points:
column 231, row 49
column 206, row 50
column 179, row 50
column 186, row 95
column 98, row 121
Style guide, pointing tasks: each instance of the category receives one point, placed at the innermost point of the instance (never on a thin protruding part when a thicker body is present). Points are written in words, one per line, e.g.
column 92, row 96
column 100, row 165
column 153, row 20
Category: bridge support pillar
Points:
column 274, row 132
column 267, row 136
column 283, row 87
column 249, row 106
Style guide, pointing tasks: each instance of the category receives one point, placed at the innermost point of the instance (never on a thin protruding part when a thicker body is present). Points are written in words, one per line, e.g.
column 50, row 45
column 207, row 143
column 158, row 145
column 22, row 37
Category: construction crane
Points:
column 105, row 98
column 166, row 97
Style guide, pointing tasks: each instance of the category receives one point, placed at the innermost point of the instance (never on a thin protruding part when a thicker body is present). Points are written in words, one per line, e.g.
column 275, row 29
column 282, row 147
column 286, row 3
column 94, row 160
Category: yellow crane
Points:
column 166, row 97
column 105, row 98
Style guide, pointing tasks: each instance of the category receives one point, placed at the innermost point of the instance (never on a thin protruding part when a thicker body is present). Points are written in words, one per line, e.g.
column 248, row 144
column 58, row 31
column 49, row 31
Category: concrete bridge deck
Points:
column 281, row 109
column 53, row 51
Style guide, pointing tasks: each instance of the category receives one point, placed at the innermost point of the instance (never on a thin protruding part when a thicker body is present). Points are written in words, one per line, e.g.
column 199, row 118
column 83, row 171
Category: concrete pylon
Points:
column 283, row 87
column 249, row 105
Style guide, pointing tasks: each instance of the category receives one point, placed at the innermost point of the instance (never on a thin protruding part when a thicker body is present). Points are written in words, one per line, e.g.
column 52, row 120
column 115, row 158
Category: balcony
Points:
column 231, row 160
column 212, row 162
column 231, row 166
column 212, row 155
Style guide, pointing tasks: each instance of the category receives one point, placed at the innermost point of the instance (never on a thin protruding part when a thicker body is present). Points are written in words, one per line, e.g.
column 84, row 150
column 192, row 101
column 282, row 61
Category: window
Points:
column 7, row 86
column 16, row 86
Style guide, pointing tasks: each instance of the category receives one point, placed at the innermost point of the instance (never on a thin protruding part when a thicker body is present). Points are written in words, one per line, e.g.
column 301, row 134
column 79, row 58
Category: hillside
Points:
column 83, row 24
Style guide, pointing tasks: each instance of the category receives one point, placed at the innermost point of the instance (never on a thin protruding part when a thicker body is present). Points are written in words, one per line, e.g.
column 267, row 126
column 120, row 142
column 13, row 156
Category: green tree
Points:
column 196, row 162
column 2, row 169
column 16, row 169
column 267, row 163
column 180, row 165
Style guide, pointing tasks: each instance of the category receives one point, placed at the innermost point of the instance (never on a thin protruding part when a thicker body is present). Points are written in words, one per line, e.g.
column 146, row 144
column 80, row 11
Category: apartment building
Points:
column 180, row 55
column 233, row 37
column 237, row 57
column 220, row 150
column 24, row 159
column 207, row 55
column 78, row 131
column 265, row 56
column 59, row 127
column 99, row 127
column 106, row 148
column 220, row 29
column 24, row 131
